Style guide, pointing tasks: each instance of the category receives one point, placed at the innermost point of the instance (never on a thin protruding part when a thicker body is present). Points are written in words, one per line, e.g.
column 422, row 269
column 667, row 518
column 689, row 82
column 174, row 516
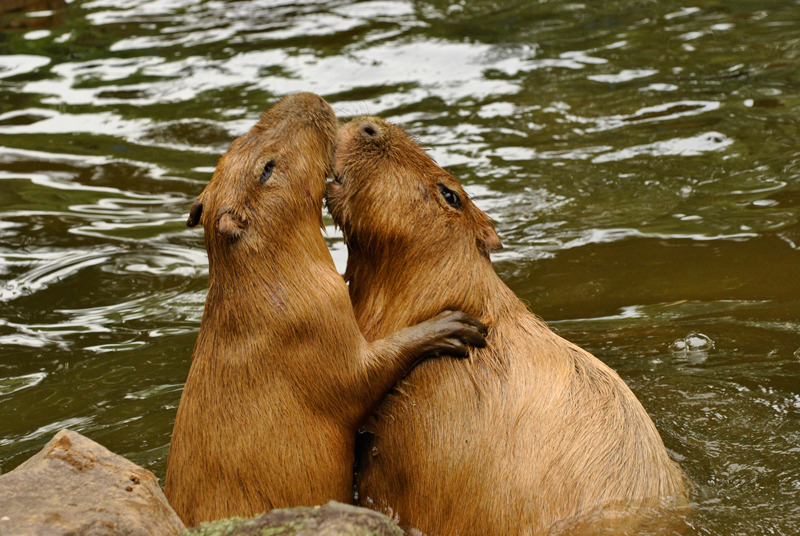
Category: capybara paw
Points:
column 459, row 331
column 452, row 346
column 463, row 318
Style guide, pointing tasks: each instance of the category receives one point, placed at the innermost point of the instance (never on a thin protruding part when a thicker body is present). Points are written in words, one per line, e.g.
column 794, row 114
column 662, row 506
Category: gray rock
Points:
column 75, row 486
column 333, row 519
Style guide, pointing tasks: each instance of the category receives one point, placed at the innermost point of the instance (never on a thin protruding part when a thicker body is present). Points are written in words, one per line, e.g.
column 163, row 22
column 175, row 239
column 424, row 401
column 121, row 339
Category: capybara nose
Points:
column 370, row 130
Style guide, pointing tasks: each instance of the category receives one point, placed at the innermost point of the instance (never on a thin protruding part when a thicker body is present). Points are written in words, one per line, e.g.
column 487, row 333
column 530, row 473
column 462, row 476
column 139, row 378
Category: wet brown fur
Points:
column 532, row 434
column 281, row 377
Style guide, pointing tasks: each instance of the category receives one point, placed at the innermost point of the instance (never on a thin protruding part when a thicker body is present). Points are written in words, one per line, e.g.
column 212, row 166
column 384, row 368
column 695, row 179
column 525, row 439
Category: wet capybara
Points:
column 530, row 434
column 281, row 376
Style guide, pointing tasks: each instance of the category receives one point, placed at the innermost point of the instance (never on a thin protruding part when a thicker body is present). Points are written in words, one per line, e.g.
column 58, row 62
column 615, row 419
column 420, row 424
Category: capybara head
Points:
column 271, row 179
column 388, row 193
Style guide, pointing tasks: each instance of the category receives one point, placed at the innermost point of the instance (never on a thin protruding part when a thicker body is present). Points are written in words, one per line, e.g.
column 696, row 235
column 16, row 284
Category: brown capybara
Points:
column 281, row 376
column 530, row 434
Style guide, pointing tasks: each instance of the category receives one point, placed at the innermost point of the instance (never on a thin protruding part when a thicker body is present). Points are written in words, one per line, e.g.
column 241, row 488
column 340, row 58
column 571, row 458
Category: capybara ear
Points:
column 194, row 213
column 229, row 227
column 488, row 241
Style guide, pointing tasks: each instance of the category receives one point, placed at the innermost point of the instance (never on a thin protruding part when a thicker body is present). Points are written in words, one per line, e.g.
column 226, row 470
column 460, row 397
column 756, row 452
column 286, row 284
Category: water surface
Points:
column 640, row 160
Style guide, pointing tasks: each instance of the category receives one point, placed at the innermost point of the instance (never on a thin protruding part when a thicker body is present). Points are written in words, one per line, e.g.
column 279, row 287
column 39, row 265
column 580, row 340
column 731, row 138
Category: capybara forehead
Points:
column 238, row 169
column 239, row 162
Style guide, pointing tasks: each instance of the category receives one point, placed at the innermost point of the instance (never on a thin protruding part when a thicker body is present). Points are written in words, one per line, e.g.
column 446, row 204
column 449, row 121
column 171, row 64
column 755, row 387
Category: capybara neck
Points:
column 380, row 284
column 271, row 290
column 286, row 254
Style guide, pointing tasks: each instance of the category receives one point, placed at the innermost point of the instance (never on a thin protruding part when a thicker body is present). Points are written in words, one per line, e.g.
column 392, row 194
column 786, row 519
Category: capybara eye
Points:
column 267, row 173
column 450, row 196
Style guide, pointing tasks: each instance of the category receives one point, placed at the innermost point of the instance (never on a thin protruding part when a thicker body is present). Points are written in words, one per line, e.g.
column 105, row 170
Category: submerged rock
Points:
column 333, row 519
column 75, row 486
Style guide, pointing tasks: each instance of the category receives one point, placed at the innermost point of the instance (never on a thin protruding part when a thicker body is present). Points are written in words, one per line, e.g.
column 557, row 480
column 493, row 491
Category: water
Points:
column 640, row 160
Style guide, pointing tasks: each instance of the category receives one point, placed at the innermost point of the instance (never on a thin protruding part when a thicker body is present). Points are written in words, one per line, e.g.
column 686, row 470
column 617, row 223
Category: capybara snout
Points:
column 369, row 129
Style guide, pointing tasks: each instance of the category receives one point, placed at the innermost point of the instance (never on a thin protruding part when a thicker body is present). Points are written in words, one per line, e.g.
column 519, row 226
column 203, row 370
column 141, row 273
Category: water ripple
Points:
column 49, row 268
column 16, row 64
column 661, row 112
column 691, row 146
column 46, row 431
column 17, row 383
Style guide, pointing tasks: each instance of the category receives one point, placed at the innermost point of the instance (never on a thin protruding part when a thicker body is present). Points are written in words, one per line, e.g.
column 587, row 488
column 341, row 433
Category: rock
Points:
column 75, row 486
column 333, row 519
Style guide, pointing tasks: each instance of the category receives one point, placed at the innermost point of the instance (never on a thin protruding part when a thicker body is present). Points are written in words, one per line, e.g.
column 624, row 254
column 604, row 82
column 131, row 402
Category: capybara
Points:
column 532, row 433
column 281, row 377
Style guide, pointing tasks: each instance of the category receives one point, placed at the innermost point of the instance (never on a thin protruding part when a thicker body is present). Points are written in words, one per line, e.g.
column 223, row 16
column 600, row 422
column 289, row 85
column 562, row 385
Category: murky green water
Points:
column 641, row 160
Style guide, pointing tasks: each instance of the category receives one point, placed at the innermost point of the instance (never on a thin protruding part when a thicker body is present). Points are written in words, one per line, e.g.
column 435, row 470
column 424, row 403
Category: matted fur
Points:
column 533, row 434
column 281, row 376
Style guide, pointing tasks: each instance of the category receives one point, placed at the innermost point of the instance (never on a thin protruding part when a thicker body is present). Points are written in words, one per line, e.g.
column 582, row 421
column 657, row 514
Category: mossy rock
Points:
column 333, row 519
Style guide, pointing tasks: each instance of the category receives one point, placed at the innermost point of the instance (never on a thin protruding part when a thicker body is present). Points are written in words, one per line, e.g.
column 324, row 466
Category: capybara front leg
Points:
column 450, row 333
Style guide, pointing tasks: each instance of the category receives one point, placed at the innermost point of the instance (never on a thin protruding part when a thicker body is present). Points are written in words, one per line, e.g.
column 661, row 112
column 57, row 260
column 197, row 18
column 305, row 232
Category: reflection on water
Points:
column 640, row 161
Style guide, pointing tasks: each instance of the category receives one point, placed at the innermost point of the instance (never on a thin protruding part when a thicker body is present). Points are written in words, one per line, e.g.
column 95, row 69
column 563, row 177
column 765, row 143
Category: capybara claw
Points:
column 452, row 346
column 459, row 349
column 477, row 339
